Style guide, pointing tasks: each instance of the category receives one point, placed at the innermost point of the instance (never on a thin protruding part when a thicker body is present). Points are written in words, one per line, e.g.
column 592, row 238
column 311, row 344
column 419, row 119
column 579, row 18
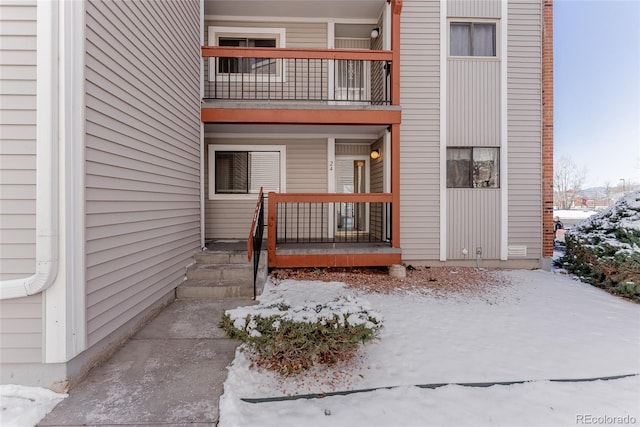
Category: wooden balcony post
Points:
column 396, row 9
column 395, row 185
column 272, row 228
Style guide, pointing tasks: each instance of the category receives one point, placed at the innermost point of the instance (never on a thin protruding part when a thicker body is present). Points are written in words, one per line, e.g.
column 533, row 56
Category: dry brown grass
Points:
column 434, row 280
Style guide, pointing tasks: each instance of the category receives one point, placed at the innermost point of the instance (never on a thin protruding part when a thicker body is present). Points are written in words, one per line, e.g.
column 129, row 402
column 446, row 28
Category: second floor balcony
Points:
column 338, row 77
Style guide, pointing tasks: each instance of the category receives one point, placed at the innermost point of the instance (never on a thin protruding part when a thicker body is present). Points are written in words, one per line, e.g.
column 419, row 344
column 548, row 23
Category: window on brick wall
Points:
column 473, row 167
column 472, row 39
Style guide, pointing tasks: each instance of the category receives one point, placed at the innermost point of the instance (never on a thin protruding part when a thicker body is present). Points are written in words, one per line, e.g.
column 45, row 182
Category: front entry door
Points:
column 351, row 177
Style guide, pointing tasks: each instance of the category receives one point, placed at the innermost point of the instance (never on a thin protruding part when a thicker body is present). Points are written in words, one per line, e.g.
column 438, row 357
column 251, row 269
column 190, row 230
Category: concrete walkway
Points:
column 169, row 373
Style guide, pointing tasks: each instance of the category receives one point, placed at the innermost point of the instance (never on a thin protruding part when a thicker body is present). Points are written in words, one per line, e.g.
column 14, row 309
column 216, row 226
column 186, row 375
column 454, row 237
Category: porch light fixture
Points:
column 375, row 33
column 375, row 154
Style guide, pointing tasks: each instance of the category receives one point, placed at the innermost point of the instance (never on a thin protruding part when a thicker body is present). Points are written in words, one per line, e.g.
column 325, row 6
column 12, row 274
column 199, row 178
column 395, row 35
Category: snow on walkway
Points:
column 22, row 406
column 541, row 326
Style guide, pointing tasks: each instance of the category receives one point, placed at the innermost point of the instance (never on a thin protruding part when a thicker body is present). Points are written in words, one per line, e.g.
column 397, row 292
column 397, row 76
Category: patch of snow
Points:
column 22, row 406
column 574, row 213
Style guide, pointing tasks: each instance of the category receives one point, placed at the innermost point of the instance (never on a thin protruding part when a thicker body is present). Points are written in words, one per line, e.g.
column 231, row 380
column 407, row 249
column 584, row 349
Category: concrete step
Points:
column 221, row 273
column 215, row 290
column 222, row 257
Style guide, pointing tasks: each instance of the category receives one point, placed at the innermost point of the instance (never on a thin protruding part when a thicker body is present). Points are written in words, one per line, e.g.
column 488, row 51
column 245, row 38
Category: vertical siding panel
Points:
column 377, row 186
column 142, row 155
column 524, row 79
column 474, row 103
column 420, row 145
column 474, row 8
column 473, row 221
column 352, row 149
column 20, row 319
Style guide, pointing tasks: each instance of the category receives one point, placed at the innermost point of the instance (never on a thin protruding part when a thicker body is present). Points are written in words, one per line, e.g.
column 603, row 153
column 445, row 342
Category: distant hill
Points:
column 595, row 192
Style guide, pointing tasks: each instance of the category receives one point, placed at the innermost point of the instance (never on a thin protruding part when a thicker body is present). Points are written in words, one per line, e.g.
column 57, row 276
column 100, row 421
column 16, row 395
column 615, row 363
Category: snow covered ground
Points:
column 539, row 327
column 578, row 214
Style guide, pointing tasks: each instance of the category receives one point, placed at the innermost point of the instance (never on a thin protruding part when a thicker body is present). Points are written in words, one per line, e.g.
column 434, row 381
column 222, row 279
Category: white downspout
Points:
column 46, row 160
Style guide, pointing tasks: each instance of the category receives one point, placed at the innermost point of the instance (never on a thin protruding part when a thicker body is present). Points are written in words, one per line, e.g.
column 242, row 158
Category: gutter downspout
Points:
column 46, row 160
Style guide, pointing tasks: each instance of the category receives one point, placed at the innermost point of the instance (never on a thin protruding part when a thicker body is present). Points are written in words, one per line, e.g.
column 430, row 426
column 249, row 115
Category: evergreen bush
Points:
column 604, row 250
column 291, row 339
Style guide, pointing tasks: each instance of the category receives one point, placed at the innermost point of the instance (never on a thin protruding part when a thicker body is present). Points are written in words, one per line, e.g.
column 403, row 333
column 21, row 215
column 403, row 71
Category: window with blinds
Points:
column 244, row 172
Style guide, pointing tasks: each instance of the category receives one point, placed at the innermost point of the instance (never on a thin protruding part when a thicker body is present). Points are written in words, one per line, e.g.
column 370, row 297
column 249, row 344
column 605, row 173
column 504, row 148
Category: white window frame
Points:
column 279, row 34
column 213, row 148
column 473, row 148
column 496, row 22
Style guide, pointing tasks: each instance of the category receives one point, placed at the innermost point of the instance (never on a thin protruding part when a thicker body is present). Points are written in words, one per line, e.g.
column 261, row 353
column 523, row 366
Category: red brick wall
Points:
column 547, row 128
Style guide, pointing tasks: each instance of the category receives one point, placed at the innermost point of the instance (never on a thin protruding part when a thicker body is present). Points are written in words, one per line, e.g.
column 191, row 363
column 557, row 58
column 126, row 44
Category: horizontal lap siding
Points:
column 21, row 318
column 17, row 139
column 419, row 132
column 142, row 155
column 525, row 125
column 306, row 173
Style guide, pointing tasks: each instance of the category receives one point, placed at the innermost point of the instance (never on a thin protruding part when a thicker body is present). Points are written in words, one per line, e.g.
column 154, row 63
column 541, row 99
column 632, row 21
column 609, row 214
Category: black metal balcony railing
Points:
column 282, row 75
column 330, row 218
column 351, row 223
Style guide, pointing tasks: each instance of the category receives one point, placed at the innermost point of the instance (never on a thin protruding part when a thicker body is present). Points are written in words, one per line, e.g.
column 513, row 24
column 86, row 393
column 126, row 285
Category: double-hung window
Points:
column 473, row 167
column 472, row 39
column 242, row 170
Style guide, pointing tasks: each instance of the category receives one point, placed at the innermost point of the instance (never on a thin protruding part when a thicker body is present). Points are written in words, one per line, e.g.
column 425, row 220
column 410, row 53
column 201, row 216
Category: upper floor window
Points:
column 472, row 39
column 247, row 65
column 473, row 167
column 255, row 69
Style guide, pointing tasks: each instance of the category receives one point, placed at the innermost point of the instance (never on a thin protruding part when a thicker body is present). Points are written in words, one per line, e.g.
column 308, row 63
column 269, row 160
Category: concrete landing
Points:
column 170, row 373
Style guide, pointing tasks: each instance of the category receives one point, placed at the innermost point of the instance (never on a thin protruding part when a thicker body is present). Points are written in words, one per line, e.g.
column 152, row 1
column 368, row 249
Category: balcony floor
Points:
column 296, row 105
column 319, row 254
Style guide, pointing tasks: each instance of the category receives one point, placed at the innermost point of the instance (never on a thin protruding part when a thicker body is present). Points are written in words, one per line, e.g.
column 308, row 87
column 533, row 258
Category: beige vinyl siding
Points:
column 377, row 168
column 352, row 149
column 306, row 173
column 349, row 43
column 473, row 221
column 474, row 8
column 420, row 135
column 21, row 318
column 524, row 79
column 378, row 73
column 299, row 34
column 21, row 330
column 142, row 155
column 17, row 139
column 376, row 186
column 473, row 102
